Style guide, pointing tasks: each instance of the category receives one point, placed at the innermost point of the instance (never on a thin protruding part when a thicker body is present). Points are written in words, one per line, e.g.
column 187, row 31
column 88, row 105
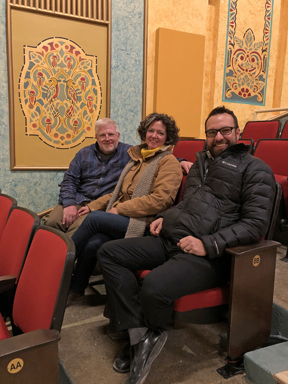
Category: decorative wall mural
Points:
column 247, row 60
column 59, row 84
column 60, row 92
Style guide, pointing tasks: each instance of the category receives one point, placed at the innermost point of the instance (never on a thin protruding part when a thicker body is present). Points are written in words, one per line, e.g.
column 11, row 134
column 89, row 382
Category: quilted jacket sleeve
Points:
column 257, row 202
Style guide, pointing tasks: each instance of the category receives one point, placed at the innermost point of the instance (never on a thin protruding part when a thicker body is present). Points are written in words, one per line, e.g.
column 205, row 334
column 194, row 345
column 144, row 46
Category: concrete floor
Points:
column 191, row 354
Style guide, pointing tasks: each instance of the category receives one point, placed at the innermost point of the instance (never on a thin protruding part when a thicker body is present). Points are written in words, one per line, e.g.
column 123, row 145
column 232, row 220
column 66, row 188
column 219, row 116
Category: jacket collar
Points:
column 135, row 152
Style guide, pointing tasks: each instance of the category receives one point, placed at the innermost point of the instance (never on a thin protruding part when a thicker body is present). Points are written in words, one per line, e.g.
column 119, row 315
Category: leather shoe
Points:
column 144, row 353
column 122, row 361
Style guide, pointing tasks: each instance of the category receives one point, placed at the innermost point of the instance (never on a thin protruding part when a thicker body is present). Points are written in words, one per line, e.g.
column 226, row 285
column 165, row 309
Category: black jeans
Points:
column 96, row 229
column 174, row 274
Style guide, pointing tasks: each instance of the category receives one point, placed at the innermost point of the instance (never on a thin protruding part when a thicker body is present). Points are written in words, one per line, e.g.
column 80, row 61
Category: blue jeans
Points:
column 98, row 228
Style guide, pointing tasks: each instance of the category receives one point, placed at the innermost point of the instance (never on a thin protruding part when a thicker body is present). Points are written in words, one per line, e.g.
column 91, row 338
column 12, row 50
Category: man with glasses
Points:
column 227, row 201
column 92, row 173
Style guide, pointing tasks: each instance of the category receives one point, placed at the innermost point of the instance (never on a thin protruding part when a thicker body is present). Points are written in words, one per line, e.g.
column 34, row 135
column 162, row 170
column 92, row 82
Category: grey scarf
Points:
column 137, row 225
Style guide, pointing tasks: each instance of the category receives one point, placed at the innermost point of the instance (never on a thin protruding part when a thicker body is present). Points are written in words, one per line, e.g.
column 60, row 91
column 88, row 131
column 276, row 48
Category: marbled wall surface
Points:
column 39, row 190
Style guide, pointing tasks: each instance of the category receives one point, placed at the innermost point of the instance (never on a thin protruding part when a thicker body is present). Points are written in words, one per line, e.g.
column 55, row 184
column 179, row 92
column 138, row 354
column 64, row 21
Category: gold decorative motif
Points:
column 60, row 92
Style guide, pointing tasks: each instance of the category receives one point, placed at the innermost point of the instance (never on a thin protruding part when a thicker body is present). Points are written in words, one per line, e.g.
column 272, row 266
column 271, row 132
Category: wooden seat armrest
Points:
column 43, row 213
column 28, row 340
column 251, row 295
column 7, row 283
column 30, row 358
column 259, row 246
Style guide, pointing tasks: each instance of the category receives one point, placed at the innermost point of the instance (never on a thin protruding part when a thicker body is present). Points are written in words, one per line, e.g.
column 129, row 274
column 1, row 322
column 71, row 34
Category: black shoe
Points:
column 144, row 353
column 122, row 361
column 117, row 335
column 73, row 298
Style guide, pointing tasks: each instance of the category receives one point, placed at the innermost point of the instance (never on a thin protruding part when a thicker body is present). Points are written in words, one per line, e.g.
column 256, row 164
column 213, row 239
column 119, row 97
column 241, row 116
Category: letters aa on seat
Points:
column 249, row 294
column 38, row 311
column 6, row 203
column 14, row 245
column 265, row 129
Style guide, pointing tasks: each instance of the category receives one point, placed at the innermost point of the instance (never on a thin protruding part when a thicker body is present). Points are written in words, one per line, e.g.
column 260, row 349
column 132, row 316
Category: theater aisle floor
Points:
column 191, row 355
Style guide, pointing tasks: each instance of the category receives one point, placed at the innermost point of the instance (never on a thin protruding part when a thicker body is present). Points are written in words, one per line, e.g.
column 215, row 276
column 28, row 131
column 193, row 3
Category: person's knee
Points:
column 150, row 291
column 91, row 249
column 54, row 218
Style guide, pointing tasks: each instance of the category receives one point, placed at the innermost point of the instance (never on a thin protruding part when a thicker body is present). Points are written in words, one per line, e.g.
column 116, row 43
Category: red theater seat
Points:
column 14, row 244
column 6, row 203
column 257, row 130
column 186, row 149
column 284, row 134
column 38, row 309
column 275, row 154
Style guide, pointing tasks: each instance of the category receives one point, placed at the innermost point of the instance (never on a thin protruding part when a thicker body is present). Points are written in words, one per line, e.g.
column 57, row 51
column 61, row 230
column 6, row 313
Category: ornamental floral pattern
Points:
column 60, row 92
column 246, row 69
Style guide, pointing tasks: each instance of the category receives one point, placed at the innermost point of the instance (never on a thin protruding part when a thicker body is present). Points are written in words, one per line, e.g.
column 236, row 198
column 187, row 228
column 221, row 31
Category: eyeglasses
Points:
column 103, row 136
column 225, row 131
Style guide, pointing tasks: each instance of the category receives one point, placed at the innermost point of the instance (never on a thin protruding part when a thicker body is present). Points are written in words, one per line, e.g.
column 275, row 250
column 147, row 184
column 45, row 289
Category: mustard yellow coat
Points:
column 165, row 185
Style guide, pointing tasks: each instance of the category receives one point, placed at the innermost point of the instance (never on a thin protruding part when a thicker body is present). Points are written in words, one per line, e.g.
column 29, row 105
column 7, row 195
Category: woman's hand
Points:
column 113, row 210
column 83, row 210
column 185, row 165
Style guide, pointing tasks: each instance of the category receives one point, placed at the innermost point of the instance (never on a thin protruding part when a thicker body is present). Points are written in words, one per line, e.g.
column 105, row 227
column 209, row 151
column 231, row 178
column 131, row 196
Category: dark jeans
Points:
column 174, row 274
column 98, row 228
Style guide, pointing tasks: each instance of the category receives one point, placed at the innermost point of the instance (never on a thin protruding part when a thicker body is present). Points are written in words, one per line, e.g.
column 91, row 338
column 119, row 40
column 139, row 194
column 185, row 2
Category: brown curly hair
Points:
column 172, row 131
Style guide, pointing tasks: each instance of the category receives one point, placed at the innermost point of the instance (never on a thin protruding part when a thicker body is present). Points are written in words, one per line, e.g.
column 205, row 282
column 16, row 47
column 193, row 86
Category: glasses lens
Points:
column 103, row 136
column 211, row 133
column 224, row 131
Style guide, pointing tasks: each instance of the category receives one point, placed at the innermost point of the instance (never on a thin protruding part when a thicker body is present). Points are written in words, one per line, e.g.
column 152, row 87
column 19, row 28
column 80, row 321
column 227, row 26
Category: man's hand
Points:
column 83, row 210
column 113, row 210
column 156, row 227
column 70, row 214
column 185, row 165
column 190, row 244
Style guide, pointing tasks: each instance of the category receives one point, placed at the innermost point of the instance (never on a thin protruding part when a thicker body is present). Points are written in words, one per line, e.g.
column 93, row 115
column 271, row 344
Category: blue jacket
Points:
column 89, row 176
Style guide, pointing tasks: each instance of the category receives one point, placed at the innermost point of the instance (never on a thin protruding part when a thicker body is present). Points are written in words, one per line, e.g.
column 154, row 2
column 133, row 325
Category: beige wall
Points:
column 209, row 18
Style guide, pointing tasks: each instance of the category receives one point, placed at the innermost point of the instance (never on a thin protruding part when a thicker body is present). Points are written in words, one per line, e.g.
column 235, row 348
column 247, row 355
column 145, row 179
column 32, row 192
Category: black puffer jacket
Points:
column 230, row 206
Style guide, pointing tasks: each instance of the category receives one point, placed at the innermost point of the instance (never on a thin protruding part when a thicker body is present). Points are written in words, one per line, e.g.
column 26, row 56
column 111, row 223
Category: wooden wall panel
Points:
column 179, row 70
